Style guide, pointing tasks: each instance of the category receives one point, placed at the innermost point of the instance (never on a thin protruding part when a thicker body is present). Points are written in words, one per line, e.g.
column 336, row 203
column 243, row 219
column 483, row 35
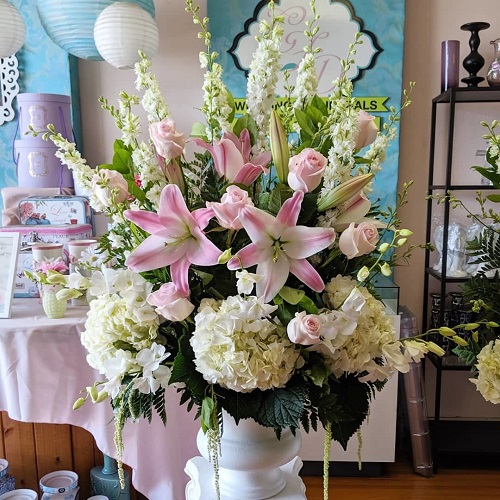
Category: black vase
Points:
column 474, row 61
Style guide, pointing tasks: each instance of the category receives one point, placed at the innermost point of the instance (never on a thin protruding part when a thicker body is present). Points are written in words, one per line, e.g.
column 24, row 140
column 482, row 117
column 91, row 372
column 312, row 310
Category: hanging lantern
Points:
column 70, row 23
column 12, row 29
column 121, row 30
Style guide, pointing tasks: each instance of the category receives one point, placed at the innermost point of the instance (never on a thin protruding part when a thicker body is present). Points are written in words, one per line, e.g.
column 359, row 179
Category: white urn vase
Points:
column 253, row 464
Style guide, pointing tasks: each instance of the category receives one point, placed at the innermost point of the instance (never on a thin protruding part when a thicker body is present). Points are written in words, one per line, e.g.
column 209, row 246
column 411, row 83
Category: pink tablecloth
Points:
column 43, row 369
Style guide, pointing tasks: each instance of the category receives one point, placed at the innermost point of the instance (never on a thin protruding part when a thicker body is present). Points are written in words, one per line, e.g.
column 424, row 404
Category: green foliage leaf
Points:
column 207, row 411
column 495, row 198
column 307, row 126
column 282, row 408
column 308, row 209
column 277, row 197
column 199, row 130
column 263, row 202
column 122, row 161
column 353, row 397
column 308, row 305
column 468, row 354
column 135, row 191
column 285, row 312
column 318, row 103
column 184, row 370
column 291, row 295
column 318, row 372
column 159, row 405
column 240, row 405
column 489, row 174
column 246, row 121
column 315, row 114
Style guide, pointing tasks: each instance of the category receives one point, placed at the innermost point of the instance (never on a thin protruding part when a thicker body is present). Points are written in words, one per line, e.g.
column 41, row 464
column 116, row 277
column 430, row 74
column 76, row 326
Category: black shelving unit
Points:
column 437, row 281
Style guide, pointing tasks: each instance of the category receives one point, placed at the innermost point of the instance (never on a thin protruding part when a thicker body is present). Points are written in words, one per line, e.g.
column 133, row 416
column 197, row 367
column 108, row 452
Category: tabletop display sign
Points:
column 376, row 72
column 9, row 249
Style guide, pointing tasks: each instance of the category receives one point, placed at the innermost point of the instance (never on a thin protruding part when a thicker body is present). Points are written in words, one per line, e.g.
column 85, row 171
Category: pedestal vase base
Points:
column 202, row 486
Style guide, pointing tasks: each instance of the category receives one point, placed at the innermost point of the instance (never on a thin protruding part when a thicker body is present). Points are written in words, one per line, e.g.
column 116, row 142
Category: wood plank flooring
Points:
column 400, row 483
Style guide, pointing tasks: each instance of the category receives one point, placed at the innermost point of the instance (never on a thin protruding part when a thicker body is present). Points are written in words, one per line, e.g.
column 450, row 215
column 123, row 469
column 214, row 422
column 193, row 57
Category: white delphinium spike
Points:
column 216, row 103
column 342, row 123
column 152, row 100
column 306, row 85
column 263, row 77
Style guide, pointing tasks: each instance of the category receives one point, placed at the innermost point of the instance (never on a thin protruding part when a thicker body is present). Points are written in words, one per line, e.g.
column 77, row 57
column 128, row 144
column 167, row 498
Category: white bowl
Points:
column 20, row 495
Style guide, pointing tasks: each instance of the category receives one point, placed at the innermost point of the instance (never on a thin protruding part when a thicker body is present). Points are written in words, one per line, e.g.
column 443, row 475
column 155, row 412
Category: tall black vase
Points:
column 474, row 61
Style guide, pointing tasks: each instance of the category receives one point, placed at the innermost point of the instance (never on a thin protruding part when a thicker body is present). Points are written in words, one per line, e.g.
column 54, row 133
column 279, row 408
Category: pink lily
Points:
column 355, row 210
column 280, row 247
column 177, row 238
column 231, row 157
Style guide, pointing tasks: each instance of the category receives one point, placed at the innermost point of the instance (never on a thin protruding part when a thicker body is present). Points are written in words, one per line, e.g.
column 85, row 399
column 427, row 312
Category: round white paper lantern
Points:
column 70, row 23
column 12, row 29
column 121, row 30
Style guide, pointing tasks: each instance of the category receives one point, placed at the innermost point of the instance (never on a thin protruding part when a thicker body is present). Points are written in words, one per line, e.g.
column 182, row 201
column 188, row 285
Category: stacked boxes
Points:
column 37, row 216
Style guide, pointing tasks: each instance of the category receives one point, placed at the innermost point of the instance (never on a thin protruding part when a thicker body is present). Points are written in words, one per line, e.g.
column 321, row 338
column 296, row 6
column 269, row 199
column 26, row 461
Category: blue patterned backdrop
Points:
column 381, row 20
column 43, row 68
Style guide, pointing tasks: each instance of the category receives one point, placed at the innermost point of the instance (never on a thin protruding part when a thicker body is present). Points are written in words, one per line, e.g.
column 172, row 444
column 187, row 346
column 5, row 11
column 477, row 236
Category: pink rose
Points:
column 170, row 302
column 304, row 329
column 227, row 211
column 358, row 240
column 367, row 130
column 168, row 142
column 110, row 187
column 306, row 170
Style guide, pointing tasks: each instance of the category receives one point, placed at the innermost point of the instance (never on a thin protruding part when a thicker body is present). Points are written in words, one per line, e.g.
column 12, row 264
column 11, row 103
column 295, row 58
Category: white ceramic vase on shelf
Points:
column 253, row 464
column 52, row 307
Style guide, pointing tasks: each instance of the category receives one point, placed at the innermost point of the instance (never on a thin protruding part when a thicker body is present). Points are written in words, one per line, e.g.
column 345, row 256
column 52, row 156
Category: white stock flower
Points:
column 239, row 347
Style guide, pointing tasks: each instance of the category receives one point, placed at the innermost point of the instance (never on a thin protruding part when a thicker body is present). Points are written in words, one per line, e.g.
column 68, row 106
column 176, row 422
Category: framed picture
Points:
column 9, row 250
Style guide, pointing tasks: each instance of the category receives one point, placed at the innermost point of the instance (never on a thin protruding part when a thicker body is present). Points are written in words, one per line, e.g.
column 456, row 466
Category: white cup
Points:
column 77, row 247
column 46, row 251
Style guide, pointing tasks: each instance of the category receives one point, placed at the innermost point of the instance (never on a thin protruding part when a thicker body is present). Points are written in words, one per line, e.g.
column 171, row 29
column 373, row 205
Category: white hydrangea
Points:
column 121, row 328
column 357, row 337
column 488, row 367
column 238, row 346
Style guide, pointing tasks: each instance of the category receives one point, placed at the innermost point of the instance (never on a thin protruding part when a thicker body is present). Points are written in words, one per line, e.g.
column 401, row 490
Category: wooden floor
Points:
column 400, row 483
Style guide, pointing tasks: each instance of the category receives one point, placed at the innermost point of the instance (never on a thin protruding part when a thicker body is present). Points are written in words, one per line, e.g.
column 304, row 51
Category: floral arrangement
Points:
column 482, row 291
column 243, row 272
